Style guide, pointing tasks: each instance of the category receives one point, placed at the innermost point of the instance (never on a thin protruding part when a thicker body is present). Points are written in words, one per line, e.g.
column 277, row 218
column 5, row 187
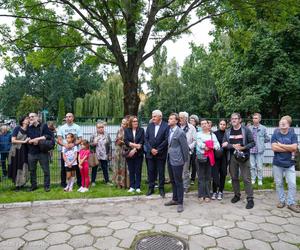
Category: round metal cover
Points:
column 160, row 242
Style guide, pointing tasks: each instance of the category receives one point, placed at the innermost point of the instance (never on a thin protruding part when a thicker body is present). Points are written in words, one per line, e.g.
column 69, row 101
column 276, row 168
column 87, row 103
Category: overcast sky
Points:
column 179, row 49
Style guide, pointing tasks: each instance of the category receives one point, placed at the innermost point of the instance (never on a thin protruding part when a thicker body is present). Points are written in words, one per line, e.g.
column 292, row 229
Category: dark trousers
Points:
column 104, row 165
column 155, row 171
column 135, row 171
column 193, row 166
column 175, row 174
column 156, row 166
column 219, row 172
column 246, row 175
column 204, row 176
column 4, row 156
column 63, row 175
column 43, row 159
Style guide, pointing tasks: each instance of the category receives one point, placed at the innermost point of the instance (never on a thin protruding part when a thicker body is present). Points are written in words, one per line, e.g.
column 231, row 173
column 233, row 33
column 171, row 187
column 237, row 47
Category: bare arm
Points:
column 15, row 141
column 78, row 141
column 277, row 148
column 289, row 147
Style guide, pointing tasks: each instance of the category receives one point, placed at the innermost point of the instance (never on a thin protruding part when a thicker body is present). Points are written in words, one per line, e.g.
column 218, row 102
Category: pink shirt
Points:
column 83, row 153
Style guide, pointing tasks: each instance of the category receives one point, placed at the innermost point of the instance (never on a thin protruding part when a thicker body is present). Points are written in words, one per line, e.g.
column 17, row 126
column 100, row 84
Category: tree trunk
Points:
column 131, row 99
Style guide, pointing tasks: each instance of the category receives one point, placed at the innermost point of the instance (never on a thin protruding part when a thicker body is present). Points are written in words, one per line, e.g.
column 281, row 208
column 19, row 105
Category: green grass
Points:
column 101, row 190
column 7, row 193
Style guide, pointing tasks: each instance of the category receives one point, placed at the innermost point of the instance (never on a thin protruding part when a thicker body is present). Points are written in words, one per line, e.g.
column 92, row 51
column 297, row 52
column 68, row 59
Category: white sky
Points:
column 179, row 49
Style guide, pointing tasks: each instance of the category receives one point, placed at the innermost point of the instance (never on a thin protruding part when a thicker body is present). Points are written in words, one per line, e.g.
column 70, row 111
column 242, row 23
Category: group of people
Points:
column 184, row 144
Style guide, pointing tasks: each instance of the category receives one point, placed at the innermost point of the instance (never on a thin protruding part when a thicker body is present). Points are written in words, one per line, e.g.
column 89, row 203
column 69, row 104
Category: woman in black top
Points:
column 134, row 140
column 18, row 155
column 219, row 171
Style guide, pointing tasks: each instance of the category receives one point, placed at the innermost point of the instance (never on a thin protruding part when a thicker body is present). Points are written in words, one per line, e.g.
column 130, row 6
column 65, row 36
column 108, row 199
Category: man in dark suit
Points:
column 156, row 145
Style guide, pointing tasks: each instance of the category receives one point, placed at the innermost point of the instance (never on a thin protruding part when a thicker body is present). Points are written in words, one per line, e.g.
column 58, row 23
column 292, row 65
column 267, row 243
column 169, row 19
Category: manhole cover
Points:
column 160, row 242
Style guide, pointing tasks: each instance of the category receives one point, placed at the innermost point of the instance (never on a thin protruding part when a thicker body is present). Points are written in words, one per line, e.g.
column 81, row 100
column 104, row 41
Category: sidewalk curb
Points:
column 114, row 200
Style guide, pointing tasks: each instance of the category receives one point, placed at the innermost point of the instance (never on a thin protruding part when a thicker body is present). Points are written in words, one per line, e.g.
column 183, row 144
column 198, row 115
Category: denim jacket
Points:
column 262, row 138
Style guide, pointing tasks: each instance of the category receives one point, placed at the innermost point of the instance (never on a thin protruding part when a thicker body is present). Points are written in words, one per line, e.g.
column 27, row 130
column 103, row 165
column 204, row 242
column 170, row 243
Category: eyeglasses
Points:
column 235, row 118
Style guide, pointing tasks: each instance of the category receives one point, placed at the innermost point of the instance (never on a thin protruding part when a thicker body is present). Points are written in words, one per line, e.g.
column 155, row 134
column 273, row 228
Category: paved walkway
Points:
column 88, row 225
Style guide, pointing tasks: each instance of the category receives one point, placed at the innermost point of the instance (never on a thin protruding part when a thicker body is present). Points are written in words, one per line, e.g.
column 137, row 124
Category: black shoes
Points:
column 235, row 199
column 180, row 208
column 250, row 204
column 162, row 193
column 31, row 189
column 171, row 203
column 150, row 191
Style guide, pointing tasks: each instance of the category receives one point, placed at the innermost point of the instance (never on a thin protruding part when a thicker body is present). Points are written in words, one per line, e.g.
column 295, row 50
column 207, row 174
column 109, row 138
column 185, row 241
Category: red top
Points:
column 210, row 152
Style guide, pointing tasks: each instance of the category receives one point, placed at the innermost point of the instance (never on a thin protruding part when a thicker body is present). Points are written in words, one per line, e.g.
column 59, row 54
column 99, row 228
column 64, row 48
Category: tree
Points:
column 106, row 102
column 115, row 31
column 78, row 107
column 199, row 94
column 11, row 92
column 258, row 70
column 61, row 110
column 166, row 88
column 28, row 104
column 70, row 77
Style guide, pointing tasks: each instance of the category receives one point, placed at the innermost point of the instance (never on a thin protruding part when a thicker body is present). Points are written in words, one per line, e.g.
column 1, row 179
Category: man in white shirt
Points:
column 73, row 128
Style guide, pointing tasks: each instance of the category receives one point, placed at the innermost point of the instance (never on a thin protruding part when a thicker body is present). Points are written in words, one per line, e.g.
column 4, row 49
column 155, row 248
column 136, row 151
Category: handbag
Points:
column 128, row 152
column 202, row 158
column 45, row 145
column 218, row 153
column 93, row 160
column 240, row 156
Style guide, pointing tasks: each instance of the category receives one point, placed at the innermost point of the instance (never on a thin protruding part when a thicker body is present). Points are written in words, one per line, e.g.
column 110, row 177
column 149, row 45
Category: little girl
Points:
column 70, row 154
column 84, row 166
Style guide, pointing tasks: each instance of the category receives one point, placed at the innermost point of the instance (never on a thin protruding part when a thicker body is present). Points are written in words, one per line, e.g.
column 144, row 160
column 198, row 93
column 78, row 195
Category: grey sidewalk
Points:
column 114, row 225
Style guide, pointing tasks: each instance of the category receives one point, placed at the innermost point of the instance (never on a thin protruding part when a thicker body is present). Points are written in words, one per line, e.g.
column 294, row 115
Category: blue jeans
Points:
column 204, row 177
column 256, row 162
column 290, row 177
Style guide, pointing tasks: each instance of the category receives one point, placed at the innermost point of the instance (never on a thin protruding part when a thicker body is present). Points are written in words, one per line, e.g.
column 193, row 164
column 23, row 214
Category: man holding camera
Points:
column 238, row 140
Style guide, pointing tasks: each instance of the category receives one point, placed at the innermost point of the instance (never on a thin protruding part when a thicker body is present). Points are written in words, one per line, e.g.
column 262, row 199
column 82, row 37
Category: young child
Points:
column 70, row 155
column 84, row 166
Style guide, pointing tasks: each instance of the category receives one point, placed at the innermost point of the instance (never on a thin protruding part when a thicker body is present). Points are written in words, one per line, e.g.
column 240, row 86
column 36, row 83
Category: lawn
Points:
column 7, row 193
column 99, row 191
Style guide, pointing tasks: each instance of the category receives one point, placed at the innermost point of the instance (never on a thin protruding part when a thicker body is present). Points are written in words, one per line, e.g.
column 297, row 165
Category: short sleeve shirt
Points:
column 70, row 155
column 284, row 159
column 67, row 129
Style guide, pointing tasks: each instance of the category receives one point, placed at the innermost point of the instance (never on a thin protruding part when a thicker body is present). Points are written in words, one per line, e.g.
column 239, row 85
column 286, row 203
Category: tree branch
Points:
column 86, row 32
column 84, row 18
column 173, row 33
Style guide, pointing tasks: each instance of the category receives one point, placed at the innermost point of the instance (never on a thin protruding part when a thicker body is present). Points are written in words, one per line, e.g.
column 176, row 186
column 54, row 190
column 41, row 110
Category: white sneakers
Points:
column 83, row 190
column 259, row 182
column 131, row 190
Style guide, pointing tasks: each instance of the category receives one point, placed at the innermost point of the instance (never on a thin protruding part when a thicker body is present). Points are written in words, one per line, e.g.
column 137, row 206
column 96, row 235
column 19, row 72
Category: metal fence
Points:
column 88, row 130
